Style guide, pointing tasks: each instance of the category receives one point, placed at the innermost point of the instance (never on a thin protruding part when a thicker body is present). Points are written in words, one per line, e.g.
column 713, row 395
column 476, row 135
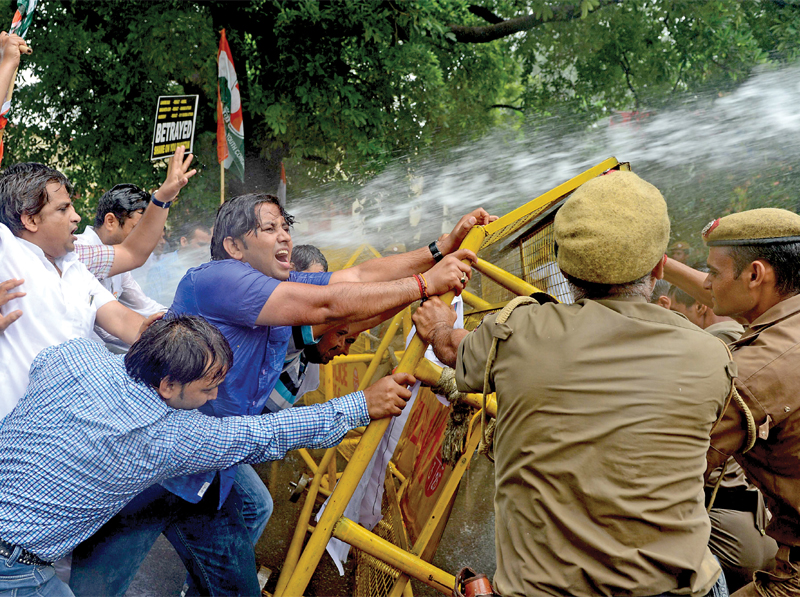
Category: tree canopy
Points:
column 339, row 89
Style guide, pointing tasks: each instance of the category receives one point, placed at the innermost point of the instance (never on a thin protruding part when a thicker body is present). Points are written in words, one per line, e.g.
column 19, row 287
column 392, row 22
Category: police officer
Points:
column 604, row 412
column 753, row 260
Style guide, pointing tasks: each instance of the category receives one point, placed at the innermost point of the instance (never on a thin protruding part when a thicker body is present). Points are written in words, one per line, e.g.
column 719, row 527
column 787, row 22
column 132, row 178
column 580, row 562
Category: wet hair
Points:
column 238, row 217
column 182, row 348
column 187, row 229
column 23, row 191
column 122, row 201
column 587, row 290
column 681, row 297
column 783, row 258
column 660, row 289
column 305, row 255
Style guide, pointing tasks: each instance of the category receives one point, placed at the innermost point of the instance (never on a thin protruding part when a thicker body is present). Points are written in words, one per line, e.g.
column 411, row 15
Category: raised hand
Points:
column 177, row 175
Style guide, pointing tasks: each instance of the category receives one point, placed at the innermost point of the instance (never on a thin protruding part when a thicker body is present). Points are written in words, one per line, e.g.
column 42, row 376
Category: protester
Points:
column 753, row 276
column 63, row 300
column 604, row 409
column 118, row 212
column 309, row 259
column 193, row 244
column 249, row 291
column 103, row 431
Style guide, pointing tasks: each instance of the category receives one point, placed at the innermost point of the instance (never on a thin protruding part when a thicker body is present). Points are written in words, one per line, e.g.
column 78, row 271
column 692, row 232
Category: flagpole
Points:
column 221, row 183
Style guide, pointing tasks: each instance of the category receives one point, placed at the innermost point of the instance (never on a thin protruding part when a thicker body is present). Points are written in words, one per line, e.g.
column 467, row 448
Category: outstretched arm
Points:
column 9, row 61
column 144, row 237
column 389, row 268
column 688, row 279
column 302, row 304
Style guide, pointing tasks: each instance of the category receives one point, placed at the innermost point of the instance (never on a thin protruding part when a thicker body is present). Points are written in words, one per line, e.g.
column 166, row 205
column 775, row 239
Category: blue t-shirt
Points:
column 230, row 295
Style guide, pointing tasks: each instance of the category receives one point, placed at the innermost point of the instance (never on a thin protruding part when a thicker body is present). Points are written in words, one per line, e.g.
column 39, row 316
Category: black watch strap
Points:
column 159, row 203
column 434, row 248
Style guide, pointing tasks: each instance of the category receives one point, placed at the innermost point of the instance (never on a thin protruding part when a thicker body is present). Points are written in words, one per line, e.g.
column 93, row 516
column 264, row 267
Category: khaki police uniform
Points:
column 604, row 413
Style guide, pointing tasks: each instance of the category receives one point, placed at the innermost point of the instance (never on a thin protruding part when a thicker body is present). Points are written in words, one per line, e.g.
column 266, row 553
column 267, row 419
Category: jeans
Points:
column 257, row 507
column 214, row 545
column 17, row 579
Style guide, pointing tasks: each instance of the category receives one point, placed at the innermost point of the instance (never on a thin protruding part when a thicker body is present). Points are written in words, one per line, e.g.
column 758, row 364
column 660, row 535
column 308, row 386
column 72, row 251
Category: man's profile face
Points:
column 269, row 248
column 191, row 395
column 335, row 342
column 55, row 224
column 199, row 239
column 119, row 233
column 687, row 311
column 731, row 296
column 680, row 255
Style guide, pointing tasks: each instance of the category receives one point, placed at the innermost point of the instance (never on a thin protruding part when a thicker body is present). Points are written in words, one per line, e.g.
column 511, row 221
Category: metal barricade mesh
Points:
column 373, row 576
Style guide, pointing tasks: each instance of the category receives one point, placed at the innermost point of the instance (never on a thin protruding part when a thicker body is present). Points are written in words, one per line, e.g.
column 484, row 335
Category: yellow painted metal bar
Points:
column 506, row 279
column 374, row 252
column 407, row 323
column 355, row 256
column 368, row 542
column 551, row 196
column 326, row 372
column 429, row 374
column 358, row 463
column 395, row 323
column 441, row 504
column 304, row 454
column 345, row 359
column 475, row 301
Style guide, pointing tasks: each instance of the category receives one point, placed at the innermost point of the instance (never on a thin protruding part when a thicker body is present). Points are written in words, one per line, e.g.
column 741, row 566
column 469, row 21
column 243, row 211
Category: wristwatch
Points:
column 159, row 203
column 437, row 256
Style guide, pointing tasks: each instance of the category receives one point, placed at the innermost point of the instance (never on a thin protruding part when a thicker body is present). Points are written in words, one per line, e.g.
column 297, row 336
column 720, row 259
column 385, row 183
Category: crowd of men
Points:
column 646, row 441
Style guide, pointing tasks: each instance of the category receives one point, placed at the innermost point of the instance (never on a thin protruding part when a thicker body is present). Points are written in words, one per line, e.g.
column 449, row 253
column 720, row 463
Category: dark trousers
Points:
column 213, row 544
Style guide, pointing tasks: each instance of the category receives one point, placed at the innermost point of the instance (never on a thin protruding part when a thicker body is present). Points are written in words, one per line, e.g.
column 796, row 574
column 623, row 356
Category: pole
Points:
column 221, row 183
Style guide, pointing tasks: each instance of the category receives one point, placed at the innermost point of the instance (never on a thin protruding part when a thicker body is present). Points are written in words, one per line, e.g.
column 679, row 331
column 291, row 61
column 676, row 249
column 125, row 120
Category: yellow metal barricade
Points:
column 516, row 257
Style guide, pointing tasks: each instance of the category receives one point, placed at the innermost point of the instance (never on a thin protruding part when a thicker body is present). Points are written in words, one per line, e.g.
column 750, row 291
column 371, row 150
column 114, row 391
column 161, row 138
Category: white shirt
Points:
column 55, row 309
column 124, row 289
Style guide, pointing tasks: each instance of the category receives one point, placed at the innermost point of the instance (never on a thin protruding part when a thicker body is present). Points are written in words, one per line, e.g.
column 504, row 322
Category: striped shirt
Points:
column 85, row 439
column 98, row 258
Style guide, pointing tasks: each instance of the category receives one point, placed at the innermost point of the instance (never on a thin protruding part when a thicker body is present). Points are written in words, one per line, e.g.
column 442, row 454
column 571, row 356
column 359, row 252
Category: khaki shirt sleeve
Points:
column 729, row 435
column 471, row 357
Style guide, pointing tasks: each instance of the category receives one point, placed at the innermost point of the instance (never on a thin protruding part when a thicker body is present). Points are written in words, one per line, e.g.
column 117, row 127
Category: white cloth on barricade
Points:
column 365, row 505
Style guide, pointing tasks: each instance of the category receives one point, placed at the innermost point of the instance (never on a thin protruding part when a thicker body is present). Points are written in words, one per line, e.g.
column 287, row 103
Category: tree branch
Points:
column 505, row 106
column 488, row 33
column 627, row 68
column 485, row 14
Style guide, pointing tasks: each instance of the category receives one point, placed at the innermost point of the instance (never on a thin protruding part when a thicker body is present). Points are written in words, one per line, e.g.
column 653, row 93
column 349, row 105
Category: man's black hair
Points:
column 678, row 295
column 23, row 191
column 239, row 216
column 661, row 288
column 183, row 348
column 187, row 229
column 122, row 201
column 783, row 258
column 305, row 255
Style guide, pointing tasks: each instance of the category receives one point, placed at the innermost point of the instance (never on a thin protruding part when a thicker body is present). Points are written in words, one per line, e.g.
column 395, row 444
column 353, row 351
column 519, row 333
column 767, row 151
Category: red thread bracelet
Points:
column 421, row 290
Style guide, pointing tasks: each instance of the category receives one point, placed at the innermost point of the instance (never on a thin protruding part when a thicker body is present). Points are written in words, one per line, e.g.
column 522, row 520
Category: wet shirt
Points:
column 86, row 439
column 56, row 308
column 230, row 295
column 767, row 357
column 604, row 413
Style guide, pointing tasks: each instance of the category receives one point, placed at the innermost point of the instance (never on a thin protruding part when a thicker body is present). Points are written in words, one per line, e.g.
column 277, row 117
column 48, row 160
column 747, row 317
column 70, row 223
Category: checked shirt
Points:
column 85, row 439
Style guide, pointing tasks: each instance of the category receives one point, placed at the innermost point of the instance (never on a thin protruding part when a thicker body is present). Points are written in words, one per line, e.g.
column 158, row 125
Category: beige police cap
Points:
column 754, row 227
column 613, row 229
column 680, row 246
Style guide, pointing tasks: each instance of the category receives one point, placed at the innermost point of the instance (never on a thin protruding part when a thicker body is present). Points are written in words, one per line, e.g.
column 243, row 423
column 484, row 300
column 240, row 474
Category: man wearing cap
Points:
column 753, row 259
column 604, row 412
column 680, row 251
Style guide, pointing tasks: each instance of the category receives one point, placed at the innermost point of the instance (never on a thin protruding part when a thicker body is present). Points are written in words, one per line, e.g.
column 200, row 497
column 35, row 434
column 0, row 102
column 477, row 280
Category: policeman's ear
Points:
column 760, row 272
column 233, row 247
column 700, row 308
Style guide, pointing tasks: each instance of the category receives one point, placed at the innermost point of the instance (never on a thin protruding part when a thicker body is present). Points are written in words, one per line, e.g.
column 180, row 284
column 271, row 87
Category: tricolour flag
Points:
column 230, row 129
column 19, row 25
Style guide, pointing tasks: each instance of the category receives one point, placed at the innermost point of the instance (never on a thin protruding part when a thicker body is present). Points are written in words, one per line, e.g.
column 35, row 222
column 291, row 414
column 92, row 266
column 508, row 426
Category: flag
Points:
column 282, row 187
column 230, row 130
column 19, row 25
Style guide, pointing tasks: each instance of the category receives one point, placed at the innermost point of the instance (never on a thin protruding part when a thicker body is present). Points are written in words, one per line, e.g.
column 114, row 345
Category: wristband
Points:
column 159, row 203
column 423, row 288
column 434, row 248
